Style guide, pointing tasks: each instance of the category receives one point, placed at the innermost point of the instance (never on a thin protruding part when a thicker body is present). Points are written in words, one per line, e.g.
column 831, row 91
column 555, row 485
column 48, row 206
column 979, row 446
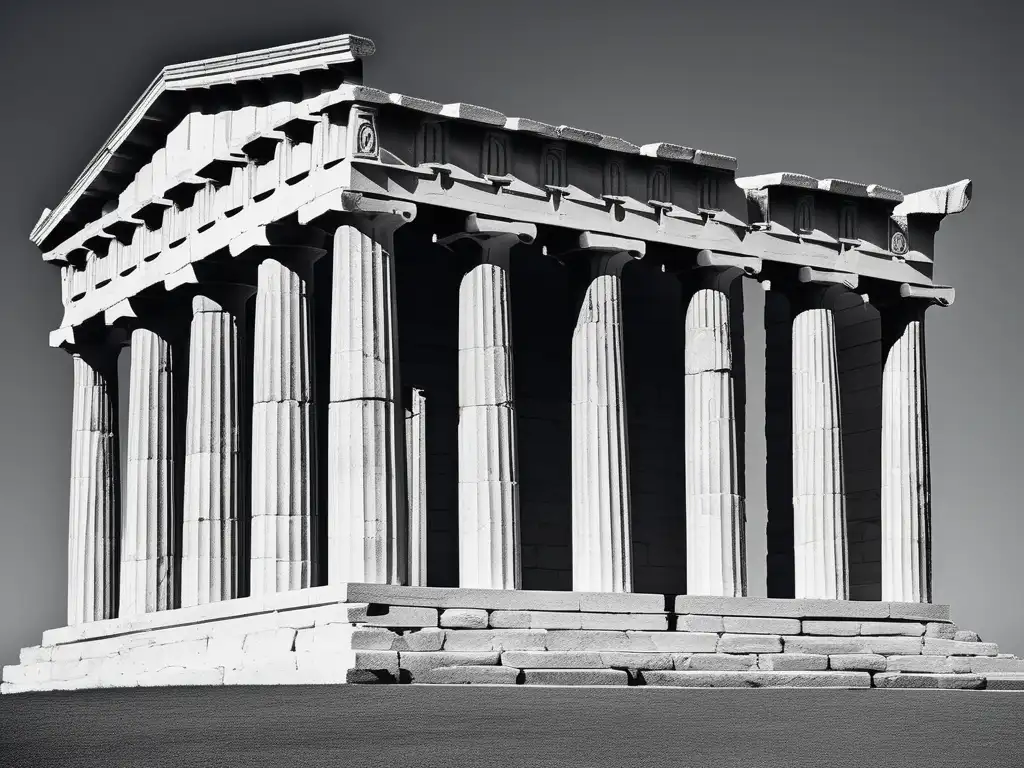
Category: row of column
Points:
column 370, row 511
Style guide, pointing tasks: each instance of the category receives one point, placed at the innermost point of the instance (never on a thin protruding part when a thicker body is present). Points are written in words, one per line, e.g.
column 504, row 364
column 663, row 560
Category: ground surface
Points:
column 441, row 726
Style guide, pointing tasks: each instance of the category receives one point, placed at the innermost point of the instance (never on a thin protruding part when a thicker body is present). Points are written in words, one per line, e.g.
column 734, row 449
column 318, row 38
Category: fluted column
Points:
column 367, row 505
column 283, row 539
column 601, row 530
column 819, row 500
column 416, row 487
column 489, row 538
column 715, row 514
column 906, row 473
column 211, row 569
column 148, row 545
column 94, row 513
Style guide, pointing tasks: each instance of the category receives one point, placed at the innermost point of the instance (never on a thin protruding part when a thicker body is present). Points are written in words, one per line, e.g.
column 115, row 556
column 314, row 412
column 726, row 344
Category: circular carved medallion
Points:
column 899, row 243
column 366, row 140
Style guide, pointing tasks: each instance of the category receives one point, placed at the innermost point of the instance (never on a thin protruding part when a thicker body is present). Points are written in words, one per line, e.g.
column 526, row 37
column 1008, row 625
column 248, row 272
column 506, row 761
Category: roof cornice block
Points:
column 937, row 201
column 715, row 160
column 668, row 151
column 526, row 125
column 421, row 105
column 777, row 180
column 474, row 113
column 879, row 192
column 206, row 73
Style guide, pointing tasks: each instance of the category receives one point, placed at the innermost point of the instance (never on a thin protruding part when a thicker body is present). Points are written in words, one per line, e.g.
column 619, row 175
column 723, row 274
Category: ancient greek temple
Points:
column 419, row 392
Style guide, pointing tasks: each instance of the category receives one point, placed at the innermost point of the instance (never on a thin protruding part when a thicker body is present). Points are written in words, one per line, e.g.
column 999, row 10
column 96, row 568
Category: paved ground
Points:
column 441, row 726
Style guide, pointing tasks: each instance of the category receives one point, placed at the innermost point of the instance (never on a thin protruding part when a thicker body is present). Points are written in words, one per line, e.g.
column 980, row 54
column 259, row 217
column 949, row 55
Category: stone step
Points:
column 757, row 679
column 925, row 680
column 1005, row 681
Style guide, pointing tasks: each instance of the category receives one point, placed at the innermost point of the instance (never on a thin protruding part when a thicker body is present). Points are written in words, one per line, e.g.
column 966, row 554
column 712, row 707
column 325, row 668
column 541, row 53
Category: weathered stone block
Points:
column 510, row 619
column 36, row 654
column 368, row 639
column 457, row 597
column 852, row 662
column 376, row 660
column 621, row 602
column 575, row 677
column 793, row 662
column 893, row 644
column 463, row 618
column 824, row 645
column 941, row 630
column 966, row 636
column 495, row 639
column 590, row 640
column 426, row 639
column 624, row 621
column 918, row 611
column 756, row 625
column 269, row 642
column 830, row 628
column 918, row 664
column 632, row 660
column 937, row 646
column 714, row 662
column 556, row 620
column 961, row 664
column 905, row 628
column 986, row 664
column 749, row 644
column 416, row 662
column 698, row 623
column 469, row 674
column 551, row 659
column 922, row 680
column 675, row 642
column 758, row 679
column 404, row 617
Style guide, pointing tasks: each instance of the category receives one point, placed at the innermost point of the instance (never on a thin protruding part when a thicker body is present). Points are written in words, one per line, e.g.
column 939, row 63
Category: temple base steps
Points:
column 372, row 633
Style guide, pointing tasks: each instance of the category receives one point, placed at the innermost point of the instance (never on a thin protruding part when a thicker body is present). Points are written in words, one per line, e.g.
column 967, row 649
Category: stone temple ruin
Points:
column 383, row 355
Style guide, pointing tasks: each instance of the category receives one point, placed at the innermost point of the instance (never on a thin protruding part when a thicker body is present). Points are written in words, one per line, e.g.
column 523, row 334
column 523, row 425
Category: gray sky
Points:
column 908, row 95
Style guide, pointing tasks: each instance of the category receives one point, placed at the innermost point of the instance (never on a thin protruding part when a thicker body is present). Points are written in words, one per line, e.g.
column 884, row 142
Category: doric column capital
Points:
column 96, row 343
column 610, row 254
column 717, row 270
column 165, row 314
column 494, row 238
column 297, row 247
column 214, row 287
column 377, row 217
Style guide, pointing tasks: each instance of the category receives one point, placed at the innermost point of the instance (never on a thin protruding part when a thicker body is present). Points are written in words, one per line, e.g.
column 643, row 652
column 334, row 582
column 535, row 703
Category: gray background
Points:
column 909, row 95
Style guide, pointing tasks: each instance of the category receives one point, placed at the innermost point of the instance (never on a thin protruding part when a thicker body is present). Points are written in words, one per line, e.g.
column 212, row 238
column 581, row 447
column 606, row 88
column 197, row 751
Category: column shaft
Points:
column 148, row 553
column 819, row 502
column 601, row 535
column 367, row 504
column 94, row 512
column 210, row 567
column 715, row 516
column 488, row 474
column 906, row 478
column 416, row 468
column 283, row 503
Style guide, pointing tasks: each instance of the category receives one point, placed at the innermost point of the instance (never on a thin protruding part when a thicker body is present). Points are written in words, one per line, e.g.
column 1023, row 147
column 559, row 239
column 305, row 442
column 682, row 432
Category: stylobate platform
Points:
column 372, row 633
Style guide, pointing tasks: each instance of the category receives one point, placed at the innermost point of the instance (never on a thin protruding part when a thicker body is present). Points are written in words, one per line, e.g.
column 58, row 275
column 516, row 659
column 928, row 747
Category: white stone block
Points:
column 180, row 676
column 867, row 662
column 269, row 642
column 510, row 619
column 830, row 628
column 758, row 679
column 462, row 618
column 906, row 628
column 329, row 638
column 551, row 659
column 556, row 620
column 715, row 662
column 465, row 675
column 793, row 662
column 941, row 630
column 893, row 645
column 633, row 661
column 676, row 642
column 918, row 663
column 700, row 623
column 935, row 645
column 750, row 644
column 755, row 625
column 637, row 621
column 597, row 640
column 575, row 677
column 825, row 645
column 923, row 680
column 495, row 639
column 427, row 639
